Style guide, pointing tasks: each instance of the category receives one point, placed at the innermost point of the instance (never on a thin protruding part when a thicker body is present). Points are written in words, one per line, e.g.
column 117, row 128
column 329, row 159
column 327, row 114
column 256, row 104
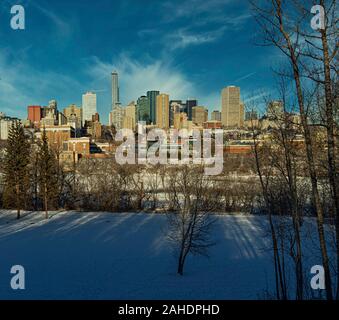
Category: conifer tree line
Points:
column 30, row 173
column 16, row 168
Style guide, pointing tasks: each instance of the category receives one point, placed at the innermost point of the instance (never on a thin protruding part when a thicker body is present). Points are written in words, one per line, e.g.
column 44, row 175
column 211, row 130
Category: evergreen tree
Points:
column 16, row 168
column 47, row 174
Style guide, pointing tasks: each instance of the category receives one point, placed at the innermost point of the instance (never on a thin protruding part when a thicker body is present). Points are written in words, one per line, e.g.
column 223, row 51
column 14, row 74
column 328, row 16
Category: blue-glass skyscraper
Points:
column 188, row 109
column 152, row 95
column 142, row 111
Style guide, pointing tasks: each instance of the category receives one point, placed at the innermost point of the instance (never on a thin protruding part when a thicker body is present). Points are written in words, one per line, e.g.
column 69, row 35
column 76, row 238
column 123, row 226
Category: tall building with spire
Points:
column 115, row 90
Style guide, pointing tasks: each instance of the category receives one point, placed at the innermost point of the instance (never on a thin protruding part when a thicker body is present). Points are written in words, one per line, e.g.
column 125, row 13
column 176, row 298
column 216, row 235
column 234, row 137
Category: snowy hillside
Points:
column 125, row 256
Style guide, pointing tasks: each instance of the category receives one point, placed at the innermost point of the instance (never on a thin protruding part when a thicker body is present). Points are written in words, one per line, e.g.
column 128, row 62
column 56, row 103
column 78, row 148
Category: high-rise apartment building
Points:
column 143, row 111
column 89, row 106
column 116, row 118
column 5, row 125
column 162, row 111
column 34, row 114
column 216, row 115
column 232, row 113
column 176, row 106
column 190, row 103
column 129, row 117
column 152, row 101
column 115, row 89
column 199, row 115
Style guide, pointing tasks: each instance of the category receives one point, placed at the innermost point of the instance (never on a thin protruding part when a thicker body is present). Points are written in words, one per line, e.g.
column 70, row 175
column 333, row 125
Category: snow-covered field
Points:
column 125, row 256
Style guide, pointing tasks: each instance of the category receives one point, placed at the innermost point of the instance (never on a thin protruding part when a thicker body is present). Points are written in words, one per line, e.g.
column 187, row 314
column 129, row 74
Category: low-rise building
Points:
column 216, row 115
column 212, row 124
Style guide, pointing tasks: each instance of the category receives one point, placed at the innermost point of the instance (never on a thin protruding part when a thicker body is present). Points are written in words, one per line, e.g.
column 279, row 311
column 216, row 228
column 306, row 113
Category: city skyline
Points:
column 185, row 64
column 89, row 102
column 140, row 137
column 231, row 115
column 145, row 107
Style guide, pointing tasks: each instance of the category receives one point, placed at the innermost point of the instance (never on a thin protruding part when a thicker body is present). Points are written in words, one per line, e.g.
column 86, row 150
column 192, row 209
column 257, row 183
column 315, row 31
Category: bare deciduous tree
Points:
column 191, row 224
column 279, row 29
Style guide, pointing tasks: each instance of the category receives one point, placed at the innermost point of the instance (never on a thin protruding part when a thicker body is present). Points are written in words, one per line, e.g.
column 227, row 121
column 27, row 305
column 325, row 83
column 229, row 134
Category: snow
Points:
column 77, row 255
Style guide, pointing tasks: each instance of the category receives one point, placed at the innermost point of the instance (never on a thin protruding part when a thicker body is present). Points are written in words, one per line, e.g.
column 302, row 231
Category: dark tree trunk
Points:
column 17, row 189
column 46, row 201
column 332, row 172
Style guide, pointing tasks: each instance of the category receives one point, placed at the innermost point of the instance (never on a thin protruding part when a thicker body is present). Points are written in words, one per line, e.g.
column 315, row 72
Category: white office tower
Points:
column 89, row 106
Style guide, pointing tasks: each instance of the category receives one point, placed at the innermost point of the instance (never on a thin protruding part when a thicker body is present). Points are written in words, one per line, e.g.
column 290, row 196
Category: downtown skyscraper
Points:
column 89, row 106
column 190, row 103
column 115, row 117
column 152, row 100
column 115, row 90
column 232, row 112
column 162, row 113
column 143, row 109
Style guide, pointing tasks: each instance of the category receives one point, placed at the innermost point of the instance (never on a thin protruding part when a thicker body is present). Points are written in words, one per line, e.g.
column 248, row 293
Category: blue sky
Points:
column 187, row 48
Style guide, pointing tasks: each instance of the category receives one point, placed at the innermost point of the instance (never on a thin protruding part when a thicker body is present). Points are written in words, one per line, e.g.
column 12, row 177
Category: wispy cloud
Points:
column 189, row 8
column 245, row 77
column 141, row 77
column 63, row 27
column 183, row 38
column 256, row 96
column 22, row 85
column 257, row 99
column 196, row 22
column 204, row 12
